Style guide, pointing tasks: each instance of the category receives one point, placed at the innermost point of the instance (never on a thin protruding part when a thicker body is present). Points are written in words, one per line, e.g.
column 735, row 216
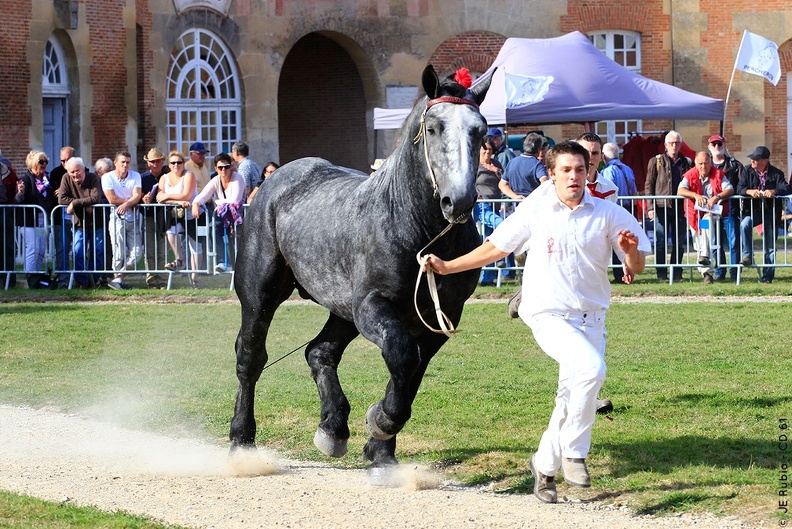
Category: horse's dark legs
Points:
column 382, row 452
column 406, row 362
column 260, row 294
column 323, row 355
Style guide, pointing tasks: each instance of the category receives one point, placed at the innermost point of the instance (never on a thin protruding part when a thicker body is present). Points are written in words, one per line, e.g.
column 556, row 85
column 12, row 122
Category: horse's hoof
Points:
column 371, row 423
column 329, row 445
column 385, row 476
column 241, row 446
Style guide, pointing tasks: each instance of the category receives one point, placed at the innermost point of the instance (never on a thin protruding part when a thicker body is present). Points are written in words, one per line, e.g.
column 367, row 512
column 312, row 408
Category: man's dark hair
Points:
column 532, row 143
column 241, row 147
column 590, row 137
column 565, row 147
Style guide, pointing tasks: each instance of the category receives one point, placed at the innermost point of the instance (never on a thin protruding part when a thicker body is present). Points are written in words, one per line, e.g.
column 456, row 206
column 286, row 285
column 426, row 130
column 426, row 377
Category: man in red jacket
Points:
column 708, row 190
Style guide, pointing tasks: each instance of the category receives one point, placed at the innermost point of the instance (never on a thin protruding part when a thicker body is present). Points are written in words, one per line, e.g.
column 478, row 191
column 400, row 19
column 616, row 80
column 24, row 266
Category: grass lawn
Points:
column 700, row 391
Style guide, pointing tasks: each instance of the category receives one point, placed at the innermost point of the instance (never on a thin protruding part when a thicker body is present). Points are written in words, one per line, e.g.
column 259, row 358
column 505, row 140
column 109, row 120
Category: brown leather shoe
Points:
column 544, row 486
column 514, row 303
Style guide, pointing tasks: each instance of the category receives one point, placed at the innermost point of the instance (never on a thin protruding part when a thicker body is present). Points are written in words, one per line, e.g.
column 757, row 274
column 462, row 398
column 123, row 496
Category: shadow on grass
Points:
column 36, row 308
column 667, row 456
column 720, row 399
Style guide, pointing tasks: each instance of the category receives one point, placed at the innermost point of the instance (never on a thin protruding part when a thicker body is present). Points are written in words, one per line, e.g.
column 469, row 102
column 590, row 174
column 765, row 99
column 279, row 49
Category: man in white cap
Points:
column 154, row 218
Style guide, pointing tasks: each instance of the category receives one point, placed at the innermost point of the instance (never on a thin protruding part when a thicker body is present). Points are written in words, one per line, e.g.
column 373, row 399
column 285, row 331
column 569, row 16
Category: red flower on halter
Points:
column 462, row 76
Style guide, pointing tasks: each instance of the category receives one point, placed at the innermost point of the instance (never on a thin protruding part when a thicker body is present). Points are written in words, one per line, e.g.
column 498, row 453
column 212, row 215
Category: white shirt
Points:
column 234, row 194
column 123, row 189
column 569, row 250
column 603, row 185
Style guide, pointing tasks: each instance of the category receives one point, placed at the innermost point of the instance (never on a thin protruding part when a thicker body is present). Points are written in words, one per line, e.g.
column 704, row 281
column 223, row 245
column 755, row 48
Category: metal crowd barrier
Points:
column 680, row 255
column 84, row 256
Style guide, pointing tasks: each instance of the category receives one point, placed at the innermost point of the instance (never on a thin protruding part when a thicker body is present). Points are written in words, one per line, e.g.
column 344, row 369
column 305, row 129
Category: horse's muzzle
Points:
column 457, row 212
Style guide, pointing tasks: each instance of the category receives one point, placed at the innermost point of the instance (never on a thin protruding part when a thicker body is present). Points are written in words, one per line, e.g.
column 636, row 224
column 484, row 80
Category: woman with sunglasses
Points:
column 34, row 189
column 179, row 187
column 227, row 189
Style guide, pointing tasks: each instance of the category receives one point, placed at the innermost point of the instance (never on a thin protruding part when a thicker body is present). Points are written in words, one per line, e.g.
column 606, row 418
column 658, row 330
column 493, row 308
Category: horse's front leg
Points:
column 377, row 321
column 323, row 354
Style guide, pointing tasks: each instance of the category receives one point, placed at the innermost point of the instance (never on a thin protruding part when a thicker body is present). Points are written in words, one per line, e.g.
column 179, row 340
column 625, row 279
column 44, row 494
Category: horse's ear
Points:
column 480, row 90
column 430, row 82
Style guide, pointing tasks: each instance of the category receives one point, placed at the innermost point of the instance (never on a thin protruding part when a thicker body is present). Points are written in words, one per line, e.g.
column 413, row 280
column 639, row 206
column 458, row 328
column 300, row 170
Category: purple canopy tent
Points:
column 569, row 80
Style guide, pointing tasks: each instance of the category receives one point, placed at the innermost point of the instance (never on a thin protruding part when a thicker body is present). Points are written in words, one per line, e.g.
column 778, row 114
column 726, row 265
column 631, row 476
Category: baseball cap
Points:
column 198, row 147
column 760, row 153
column 154, row 155
column 494, row 132
column 716, row 137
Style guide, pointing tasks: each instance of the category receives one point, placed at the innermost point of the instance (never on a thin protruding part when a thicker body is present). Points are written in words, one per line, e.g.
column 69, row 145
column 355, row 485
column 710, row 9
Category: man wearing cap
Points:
column 197, row 165
column 764, row 183
column 154, row 224
column 503, row 154
column 730, row 223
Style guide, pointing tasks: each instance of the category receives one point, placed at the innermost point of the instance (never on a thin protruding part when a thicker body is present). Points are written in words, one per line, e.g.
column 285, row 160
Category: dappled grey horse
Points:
column 349, row 242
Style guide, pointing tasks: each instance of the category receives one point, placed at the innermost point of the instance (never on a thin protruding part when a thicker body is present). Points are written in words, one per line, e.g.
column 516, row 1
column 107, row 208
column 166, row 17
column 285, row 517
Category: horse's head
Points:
column 453, row 129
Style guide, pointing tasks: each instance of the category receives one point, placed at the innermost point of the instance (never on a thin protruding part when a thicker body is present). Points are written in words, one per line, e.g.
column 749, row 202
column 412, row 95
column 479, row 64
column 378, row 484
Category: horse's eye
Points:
column 431, row 131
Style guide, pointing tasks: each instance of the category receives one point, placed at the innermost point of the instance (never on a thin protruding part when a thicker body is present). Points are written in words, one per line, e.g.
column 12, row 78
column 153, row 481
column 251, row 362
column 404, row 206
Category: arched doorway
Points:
column 322, row 105
column 55, row 100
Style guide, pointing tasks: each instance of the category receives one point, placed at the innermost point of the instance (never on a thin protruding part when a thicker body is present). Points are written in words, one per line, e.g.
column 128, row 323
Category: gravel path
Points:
column 72, row 459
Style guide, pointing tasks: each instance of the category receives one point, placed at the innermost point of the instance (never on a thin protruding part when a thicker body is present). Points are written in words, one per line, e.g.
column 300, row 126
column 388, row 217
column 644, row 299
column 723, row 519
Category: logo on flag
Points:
column 759, row 56
column 524, row 90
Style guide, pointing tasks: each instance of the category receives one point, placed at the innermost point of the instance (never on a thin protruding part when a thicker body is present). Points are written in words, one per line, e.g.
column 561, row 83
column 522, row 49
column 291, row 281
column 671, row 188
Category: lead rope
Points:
column 446, row 326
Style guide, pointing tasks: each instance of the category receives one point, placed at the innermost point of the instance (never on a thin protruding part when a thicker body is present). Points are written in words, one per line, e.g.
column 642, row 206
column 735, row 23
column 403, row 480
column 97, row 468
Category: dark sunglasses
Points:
column 43, row 162
column 716, row 143
column 177, row 162
column 223, row 167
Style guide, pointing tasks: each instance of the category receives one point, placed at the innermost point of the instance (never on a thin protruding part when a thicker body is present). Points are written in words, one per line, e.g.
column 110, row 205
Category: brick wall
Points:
column 474, row 50
column 108, row 75
column 16, row 119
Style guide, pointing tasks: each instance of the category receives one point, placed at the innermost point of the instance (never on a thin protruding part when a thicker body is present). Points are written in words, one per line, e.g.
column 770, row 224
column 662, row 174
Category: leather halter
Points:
column 451, row 99
column 422, row 129
column 446, row 326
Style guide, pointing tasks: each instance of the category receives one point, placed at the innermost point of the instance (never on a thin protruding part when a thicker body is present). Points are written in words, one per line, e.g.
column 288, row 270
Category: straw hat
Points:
column 154, row 155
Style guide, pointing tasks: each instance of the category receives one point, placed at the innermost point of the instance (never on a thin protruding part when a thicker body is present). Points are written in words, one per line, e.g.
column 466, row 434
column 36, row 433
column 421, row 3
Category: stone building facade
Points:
column 300, row 78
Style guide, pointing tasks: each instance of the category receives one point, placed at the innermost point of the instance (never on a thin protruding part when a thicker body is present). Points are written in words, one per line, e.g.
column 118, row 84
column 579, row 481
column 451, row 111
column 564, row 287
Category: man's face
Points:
column 122, row 166
column 703, row 164
column 760, row 166
column 65, row 154
column 155, row 167
column 498, row 141
column 198, row 158
column 595, row 156
column 717, row 148
column 672, row 145
column 569, row 178
column 76, row 173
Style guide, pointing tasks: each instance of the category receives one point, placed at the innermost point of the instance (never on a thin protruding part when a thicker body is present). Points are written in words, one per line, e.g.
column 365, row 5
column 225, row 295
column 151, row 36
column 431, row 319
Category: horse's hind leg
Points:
column 323, row 355
column 260, row 293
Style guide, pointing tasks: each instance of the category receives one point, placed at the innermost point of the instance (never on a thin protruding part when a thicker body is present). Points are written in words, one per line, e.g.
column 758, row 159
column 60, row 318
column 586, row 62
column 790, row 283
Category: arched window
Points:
column 204, row 101
column 54, row 79
column 624, row 47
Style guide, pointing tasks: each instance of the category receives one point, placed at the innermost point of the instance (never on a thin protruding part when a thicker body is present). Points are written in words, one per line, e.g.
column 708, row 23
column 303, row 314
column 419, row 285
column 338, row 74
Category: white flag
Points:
column 524, row 90
column 759, row 56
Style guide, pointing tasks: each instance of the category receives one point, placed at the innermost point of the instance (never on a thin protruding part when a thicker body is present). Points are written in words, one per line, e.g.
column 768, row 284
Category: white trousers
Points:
column 577, row 342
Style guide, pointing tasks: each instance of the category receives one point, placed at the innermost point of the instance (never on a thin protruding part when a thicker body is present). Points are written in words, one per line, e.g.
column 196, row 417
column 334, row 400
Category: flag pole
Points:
column 731, row 81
